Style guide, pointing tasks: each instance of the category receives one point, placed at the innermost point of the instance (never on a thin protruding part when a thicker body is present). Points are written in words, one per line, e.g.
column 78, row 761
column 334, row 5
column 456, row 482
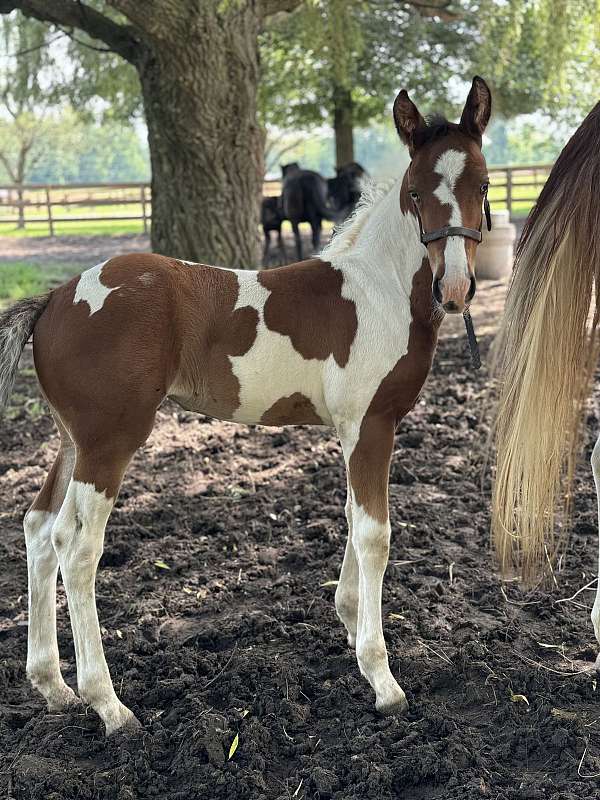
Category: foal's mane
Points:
column 345, row 235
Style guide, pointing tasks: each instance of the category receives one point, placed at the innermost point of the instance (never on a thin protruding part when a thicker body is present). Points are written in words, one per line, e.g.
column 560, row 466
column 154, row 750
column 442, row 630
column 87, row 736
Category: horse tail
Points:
column 16, row 326
column 546, row 352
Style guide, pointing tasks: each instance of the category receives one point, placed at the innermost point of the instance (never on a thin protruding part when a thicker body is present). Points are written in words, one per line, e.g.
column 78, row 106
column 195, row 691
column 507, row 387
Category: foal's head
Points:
column 446, row 186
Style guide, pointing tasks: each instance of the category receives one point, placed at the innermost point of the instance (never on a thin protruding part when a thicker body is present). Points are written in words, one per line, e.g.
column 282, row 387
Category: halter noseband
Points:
column 449, row 230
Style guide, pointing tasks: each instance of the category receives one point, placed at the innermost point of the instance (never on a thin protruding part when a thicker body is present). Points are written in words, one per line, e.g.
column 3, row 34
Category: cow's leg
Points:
column 43, row 668
column 78, row 538
column 346, row 595
column 596, row 608
column 296, row 229
column 368, row 468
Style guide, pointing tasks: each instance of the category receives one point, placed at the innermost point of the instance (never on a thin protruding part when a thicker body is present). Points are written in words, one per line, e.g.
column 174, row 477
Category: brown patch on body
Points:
column 306, row 304
column 296, row 409
column 395, row 397
column 107, row 373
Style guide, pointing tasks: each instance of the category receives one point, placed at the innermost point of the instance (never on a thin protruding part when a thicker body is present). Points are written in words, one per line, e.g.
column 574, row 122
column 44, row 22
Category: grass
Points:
column 92, row 227
column 100, row 227
column 19, row 279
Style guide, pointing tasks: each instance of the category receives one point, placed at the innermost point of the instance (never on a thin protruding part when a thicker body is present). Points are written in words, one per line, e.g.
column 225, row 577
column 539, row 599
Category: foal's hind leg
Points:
column 346, row 595
column 43, row 668
column 78, row 538
column 368, row 463
column 596, row 608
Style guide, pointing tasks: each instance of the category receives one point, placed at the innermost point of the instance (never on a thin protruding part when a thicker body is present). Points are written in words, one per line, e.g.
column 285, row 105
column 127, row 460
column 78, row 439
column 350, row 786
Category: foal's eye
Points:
column 415, row 196
column 484, row 187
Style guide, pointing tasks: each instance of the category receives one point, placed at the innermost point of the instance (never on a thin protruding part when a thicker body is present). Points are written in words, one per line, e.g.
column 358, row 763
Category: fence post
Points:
column 145, row 218
column 509, row 192
column 49, row 209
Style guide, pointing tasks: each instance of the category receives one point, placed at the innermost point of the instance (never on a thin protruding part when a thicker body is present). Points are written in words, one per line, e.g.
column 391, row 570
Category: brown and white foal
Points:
column 344, row 340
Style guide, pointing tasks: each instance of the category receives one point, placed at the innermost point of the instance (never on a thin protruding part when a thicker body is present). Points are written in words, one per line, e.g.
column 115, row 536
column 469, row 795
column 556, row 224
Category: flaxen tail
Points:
column 546, row 353
column 16, row 326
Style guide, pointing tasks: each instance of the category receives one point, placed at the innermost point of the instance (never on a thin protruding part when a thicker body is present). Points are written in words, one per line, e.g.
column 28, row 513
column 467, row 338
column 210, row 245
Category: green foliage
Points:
column 372, row 48
column 67, row 148
column 20, row 279
column 544, row 55
column 525, row 140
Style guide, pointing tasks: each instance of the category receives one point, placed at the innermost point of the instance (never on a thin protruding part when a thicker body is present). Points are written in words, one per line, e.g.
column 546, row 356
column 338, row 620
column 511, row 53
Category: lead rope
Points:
column 473, row 346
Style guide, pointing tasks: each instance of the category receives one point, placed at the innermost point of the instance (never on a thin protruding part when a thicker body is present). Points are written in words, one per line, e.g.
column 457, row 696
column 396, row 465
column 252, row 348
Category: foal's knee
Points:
column 370, row 537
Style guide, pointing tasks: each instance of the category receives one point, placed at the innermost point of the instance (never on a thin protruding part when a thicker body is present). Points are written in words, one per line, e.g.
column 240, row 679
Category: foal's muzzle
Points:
column 452, row 305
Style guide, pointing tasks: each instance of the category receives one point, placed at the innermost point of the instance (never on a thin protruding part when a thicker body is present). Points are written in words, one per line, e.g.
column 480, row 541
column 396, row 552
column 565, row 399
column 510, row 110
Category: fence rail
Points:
column 512, row 188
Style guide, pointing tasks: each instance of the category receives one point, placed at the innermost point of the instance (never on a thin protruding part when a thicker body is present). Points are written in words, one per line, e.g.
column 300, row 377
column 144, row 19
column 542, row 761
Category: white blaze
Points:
column 450, row 166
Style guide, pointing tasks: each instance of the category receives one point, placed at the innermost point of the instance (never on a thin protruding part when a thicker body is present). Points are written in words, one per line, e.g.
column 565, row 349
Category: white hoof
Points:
column 393, row 702
column 61, row 698
column 121, row 719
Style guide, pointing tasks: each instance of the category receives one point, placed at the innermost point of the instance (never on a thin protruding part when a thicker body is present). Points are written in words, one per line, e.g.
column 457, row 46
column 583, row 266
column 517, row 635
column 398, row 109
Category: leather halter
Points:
column 449, row 230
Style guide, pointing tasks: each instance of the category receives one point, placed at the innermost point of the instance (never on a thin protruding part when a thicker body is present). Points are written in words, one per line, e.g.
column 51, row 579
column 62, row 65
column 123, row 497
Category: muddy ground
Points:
column 238, row 637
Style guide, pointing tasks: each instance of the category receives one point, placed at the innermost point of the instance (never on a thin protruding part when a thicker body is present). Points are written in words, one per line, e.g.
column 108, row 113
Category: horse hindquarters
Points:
column 101, row 350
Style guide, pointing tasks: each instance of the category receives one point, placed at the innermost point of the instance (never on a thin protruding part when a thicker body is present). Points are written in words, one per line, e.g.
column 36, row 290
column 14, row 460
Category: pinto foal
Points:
column 344, row 340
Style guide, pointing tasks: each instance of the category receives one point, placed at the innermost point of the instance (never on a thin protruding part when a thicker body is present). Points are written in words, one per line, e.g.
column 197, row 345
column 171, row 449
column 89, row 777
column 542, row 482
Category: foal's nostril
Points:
column 451, row 307
column 436, row 290
column 471, row 292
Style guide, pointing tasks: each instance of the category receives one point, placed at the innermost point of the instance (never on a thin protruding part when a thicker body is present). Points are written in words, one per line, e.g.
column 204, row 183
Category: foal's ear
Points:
column 477, row 110
column 408, row 120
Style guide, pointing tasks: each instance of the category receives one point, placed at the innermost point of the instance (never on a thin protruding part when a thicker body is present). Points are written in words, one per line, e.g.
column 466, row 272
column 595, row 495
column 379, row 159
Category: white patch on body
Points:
column 147, row 278
column 450, row 166
column 91, row 290
column 272, row 368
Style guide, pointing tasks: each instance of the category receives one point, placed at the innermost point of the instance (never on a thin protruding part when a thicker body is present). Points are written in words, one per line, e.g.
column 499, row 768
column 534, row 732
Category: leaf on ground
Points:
column 519, row 698
column 161, row 564
column 234, row 746
column 330, row 583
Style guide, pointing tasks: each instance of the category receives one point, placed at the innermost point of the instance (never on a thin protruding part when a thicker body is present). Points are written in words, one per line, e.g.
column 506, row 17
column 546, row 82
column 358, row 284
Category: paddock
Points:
column 215, row 593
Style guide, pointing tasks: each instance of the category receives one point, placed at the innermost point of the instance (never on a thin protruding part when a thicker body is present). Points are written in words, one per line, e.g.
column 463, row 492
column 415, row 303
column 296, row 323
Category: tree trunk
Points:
column 343, row 125
column 20, row 207
column 199, row 84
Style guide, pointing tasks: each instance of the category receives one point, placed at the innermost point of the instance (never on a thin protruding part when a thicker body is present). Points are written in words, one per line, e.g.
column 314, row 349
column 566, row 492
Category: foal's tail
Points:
column 546, row 352
column 16, row 326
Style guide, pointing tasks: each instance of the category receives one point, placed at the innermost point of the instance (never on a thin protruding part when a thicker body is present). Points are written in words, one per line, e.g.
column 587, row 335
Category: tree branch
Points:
column 7, row 166
column 275, row 6
column 74, row 14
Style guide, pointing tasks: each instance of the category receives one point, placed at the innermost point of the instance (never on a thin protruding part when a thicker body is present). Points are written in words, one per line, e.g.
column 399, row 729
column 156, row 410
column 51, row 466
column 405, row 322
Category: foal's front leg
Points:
column 346, row 595
column 368, row 464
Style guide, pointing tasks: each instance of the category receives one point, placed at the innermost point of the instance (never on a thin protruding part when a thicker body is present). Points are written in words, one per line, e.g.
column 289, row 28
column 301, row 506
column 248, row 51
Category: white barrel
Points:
column 495, row 253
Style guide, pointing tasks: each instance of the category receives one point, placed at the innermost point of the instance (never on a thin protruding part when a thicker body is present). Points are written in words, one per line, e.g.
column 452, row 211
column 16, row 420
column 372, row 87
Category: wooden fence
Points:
column 514, row 188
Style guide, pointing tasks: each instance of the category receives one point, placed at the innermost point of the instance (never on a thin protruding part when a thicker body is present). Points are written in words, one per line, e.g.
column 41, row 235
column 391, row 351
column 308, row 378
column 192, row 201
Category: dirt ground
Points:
column 215, row 595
